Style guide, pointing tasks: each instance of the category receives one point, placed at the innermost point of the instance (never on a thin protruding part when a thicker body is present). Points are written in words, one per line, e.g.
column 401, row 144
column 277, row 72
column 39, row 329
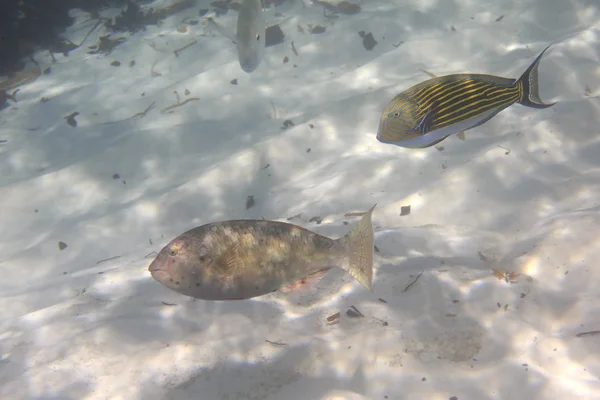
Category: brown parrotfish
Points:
column 242, row 259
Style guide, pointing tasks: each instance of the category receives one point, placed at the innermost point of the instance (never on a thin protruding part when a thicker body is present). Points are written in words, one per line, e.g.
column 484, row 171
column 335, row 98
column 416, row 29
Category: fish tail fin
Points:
column 358, row 247
column 530, row 96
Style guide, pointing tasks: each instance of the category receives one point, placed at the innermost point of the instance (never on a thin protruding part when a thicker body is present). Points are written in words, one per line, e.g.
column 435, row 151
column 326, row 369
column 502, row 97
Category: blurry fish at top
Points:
column 241, row 259
column 430, row 111
column 250, row 35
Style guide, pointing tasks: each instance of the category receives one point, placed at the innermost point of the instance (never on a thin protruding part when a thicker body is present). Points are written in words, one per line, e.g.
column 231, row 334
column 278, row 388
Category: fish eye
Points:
column 396, row 114
column 173, row 251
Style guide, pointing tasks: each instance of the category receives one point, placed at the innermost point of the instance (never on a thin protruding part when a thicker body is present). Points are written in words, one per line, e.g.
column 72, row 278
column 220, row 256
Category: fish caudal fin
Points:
column 529, row 80
column 358, row 247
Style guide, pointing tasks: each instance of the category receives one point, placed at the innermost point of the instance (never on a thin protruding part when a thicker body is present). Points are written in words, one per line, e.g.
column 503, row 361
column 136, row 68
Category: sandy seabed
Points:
column 520, row 195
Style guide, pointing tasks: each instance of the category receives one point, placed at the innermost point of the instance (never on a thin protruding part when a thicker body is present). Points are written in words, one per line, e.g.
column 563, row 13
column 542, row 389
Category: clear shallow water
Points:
column 519, row 195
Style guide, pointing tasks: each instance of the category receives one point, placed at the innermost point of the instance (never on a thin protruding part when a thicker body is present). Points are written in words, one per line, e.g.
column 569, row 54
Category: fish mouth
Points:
column 157, row 271
column 248, row 67
column 382, row 140
column 154, row 266
column 380, row 136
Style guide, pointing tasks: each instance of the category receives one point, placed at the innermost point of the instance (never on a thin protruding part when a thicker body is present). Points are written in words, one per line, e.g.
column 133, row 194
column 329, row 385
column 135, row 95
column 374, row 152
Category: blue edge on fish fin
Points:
column 426, row 121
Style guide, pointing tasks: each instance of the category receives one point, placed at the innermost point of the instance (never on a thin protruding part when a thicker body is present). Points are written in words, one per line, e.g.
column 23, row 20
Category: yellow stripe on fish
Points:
column 430, row 111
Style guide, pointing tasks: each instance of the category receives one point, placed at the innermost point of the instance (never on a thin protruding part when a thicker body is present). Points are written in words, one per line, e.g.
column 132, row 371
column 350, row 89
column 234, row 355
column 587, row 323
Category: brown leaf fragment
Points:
column 333, row 317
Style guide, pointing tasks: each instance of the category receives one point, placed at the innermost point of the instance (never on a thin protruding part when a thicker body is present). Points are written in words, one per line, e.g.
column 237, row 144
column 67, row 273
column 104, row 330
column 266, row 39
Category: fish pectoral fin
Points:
column 230, row 260
column 222, row 29
column 425, row 125
column 461, row 135
column 305, row 283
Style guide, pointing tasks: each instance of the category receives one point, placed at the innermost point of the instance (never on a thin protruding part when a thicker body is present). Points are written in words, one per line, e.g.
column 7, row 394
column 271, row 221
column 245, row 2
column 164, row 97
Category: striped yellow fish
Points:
column 430, row 111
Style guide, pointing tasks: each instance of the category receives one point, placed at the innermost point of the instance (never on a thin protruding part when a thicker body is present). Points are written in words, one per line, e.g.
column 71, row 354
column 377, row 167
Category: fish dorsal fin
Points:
column 230, row 259
column 431, row 74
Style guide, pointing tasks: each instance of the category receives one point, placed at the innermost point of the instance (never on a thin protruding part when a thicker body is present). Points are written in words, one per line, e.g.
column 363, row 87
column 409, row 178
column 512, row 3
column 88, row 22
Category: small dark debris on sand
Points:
column 354, row 313
column 286, row 59
column 133, row 19
column 376, row 249
column 287, row 124
column 589, row 333
column 506, row 151
column 71, row 119
column 499, row 18
column 107, row 259
column 369, row 41
column 334, row 317
column 413, row 282
column 47, row 71
column 318, row 220
column 295, row 216
column 168, row 304
column 382, row 300
column 277, row 344
column 116, row 176
column 249, row 202
column 265, row 167
column 62, row 246
column 105, row 45
column 220, row 6
column 273, row 35
column 315, row 30
column 404, row 210
column 63, row 47
column 115, row 63
column 234, row 82
column 344, row 7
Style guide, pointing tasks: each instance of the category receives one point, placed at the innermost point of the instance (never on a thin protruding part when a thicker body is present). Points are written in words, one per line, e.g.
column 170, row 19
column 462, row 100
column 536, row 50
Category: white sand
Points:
column 74, row 327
